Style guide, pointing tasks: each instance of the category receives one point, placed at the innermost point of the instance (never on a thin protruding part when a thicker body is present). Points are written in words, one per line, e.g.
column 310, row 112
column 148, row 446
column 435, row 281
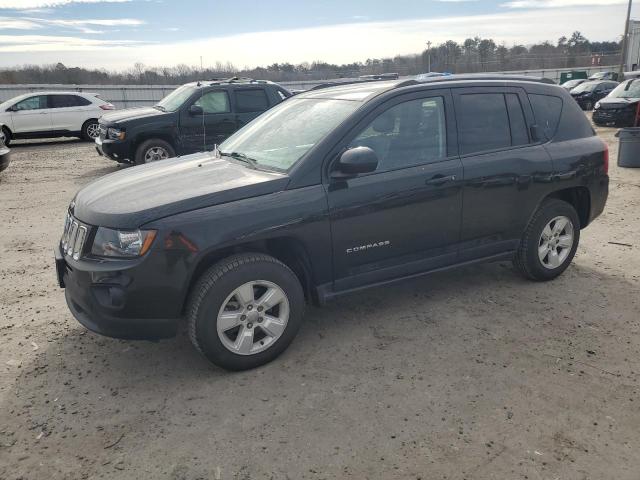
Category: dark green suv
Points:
column 192, row 118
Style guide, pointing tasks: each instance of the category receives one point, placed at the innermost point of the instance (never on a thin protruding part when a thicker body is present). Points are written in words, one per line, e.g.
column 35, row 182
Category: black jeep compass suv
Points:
column 332, row 191
column 192, row 118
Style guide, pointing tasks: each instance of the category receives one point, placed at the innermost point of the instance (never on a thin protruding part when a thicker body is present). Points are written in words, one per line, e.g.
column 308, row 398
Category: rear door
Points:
column 505, row 170
column 68, row 112
column 31, row 115
column 201, row 132
column 249, row 103
column 404, row 218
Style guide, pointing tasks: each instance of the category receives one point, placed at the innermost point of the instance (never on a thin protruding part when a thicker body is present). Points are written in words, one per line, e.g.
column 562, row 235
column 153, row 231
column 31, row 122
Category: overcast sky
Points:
column 117, row 33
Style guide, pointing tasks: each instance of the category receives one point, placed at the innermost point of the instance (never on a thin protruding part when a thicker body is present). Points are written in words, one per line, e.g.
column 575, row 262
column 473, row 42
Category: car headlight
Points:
column 116, row 133
column 122, row 243
column 596, row 106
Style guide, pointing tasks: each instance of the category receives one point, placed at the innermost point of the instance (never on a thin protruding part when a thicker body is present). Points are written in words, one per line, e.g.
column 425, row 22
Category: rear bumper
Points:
column 599, row 195
column 102, row 301
column 113, row 149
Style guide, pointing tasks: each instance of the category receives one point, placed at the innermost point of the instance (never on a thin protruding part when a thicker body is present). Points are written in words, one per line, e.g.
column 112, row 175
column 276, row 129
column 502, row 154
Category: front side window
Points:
column 32, row 103
column 408, row 134
column 281, row 136
column 214, row 102
column 483, row 122
column 251, row 100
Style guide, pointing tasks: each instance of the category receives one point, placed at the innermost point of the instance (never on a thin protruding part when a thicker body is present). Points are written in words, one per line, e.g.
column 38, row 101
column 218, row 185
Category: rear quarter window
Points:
column 546, row 110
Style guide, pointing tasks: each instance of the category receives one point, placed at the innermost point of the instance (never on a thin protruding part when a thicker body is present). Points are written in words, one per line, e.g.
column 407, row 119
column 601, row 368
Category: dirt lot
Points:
column 472, row 374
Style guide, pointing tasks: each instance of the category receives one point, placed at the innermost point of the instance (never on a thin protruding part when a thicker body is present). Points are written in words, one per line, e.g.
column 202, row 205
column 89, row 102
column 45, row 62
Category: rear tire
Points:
column 245, row 310
column 153, row 150
column 6, row 136
column 90, row 130
column 549, row 242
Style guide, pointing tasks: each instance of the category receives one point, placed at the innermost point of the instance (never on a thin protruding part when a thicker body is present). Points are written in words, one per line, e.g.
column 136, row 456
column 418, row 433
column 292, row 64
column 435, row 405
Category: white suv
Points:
column 52, row 114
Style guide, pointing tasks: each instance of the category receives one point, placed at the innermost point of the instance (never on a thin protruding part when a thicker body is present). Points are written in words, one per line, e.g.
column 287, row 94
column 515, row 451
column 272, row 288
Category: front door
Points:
column 404, row 218
column 200, row 132
column 31, row 115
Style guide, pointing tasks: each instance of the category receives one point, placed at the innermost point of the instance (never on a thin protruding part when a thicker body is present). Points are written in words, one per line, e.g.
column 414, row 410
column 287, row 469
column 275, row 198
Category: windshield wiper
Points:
column 160, row 107
column 242, row 157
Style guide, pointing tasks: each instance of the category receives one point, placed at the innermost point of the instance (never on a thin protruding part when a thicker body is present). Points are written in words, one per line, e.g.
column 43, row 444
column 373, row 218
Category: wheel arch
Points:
column 289, row 250
column 144, row 136
column 579, row 198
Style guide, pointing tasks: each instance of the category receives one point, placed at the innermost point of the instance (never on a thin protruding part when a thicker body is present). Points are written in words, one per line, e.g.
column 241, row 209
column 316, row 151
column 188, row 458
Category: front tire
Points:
column 550, row 241
column 245, row 310
column 153, row 150
column 5, row 135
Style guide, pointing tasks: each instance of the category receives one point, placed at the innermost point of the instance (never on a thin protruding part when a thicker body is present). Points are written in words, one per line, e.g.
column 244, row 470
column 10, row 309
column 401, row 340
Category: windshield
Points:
column 278, row 138
column 175, row 99
column 628, row 89
column 572, row 83
column 598, row 75
column 585, row 87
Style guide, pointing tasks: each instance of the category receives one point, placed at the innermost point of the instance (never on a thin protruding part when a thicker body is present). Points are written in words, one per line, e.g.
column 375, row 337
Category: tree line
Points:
column 471, row 56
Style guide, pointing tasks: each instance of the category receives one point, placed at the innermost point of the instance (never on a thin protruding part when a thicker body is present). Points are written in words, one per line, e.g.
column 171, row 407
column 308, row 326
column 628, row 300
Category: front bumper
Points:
column 114, row 149
column 109, row 300
column 614, row 118
column 5, row 158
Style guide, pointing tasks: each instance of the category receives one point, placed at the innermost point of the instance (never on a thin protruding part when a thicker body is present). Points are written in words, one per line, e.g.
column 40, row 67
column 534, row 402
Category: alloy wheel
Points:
column 156, row 153
column 93, row 130
column 556, row 242
column 253, row 317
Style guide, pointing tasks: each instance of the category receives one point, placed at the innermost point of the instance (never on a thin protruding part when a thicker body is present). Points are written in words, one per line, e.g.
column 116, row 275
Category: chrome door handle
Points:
column 440, row 180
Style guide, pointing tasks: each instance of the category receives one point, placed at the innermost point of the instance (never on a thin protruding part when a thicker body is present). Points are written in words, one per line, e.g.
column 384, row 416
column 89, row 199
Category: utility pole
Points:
column 625, row 41
column 429, row 54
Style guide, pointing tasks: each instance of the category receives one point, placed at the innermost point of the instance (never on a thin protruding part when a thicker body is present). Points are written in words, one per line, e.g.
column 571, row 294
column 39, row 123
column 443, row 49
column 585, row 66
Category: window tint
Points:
column 61, row 101
column 32, row 103
column 546, row 110
column 519, row 133
column 483, row 123
column 254, row 100
column 214, row 102
column 410, row 133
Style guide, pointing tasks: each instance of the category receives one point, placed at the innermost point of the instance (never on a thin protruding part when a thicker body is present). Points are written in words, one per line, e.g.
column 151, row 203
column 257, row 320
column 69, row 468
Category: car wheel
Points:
column 153, row 150
column 550, row 241
column 245, row 311
column 90, row 130
column 5, row 136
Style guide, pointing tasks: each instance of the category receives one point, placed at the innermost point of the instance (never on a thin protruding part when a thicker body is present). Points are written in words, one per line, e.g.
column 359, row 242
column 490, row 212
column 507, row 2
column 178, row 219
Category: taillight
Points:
column 606, row 158
column 108, row 106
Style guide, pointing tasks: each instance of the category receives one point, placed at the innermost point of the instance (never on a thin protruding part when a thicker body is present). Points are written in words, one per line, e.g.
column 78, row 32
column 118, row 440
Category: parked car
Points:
column 621, row 107
column 5, row 154
column 588, row 93
column 606, row 75
column 52, row 114
column 192, row 118
column 571, row 84
column 332, row 191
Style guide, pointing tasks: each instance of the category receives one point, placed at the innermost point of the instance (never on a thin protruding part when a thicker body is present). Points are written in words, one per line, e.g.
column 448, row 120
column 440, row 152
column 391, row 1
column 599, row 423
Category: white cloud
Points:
column 82, row 23
column 30, row 4
column 345, row 43
column 17, row 24
column 557, row 3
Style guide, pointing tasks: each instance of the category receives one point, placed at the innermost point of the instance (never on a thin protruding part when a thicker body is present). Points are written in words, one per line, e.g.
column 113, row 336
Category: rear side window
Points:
column 547, row 110
column 519, row 133
column 253, row 100
column 483, row 122
column 61, row 101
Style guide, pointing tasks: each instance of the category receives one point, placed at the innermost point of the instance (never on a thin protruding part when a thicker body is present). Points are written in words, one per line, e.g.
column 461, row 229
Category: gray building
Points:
column 632, row 62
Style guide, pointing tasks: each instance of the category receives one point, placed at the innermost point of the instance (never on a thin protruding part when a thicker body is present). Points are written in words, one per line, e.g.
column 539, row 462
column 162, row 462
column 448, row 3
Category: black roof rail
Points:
column 350, row 82
column 475, row 76
column 236, row 80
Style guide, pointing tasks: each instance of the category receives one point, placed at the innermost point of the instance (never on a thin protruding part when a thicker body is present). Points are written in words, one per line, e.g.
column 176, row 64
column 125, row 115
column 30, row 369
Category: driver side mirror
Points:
column 355, row 161
column 196, row 110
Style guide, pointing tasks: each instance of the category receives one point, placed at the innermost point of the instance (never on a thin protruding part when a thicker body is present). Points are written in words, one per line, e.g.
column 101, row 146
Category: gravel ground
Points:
column 469, row 374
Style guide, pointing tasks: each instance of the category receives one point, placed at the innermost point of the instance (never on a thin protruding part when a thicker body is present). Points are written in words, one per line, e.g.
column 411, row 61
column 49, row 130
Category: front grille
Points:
column 74, row 237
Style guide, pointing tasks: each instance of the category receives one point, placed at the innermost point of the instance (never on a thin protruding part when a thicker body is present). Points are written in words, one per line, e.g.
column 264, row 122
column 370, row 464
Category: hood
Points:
column 617, row 102
column 136, row 113
column 134, row 196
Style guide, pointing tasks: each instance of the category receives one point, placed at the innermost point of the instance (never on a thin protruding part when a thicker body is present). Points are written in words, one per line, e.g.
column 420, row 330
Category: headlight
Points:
column 116, row 133
column 596, row 106
column 122, row 243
